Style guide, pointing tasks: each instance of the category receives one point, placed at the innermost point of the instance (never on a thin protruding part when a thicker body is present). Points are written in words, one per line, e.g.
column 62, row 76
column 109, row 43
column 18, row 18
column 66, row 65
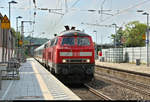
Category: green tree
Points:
column 17, row 36
column 133, row 34
column 13, row 31
column 118, row 36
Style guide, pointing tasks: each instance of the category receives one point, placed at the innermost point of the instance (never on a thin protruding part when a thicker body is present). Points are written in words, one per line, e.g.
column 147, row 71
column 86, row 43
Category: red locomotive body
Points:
column 70, row 55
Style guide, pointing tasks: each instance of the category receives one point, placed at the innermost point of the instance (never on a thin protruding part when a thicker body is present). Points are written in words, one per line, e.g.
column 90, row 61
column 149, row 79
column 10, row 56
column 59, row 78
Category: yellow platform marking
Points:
column 44, row 89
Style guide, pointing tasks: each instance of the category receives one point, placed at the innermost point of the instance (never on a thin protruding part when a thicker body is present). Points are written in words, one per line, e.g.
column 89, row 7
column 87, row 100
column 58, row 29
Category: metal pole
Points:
column 96, row 44
column 101, row 42
column 115, row 35
column 66, row 6
column 17, row 37
column 9, row 10
column 22, row 27
column 147, row 40
column 9, row 31
column 17, row 34
column 17, row 29
column 96, row 37
column 20, row 57
column 16, row 24
column 115, row 41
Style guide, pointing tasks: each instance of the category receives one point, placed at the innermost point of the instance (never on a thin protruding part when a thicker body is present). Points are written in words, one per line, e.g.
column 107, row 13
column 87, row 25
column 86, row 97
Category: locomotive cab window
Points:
column 52, row 42
column 83, row 41
column 56, row 40
column 68, row 41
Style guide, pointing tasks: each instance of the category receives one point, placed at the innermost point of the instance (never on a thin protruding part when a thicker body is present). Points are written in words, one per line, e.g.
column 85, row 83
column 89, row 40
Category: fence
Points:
column 129, row 54
column 113, row 55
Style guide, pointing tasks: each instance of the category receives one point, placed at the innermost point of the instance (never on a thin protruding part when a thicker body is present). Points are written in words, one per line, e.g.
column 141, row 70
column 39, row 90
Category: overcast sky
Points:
column 123, row 11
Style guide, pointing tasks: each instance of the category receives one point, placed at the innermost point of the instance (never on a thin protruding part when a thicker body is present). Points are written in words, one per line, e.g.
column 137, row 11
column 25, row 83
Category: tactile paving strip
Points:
column 55, row 87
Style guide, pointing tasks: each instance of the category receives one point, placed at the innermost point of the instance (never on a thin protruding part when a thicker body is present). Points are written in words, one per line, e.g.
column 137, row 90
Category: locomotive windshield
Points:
column 68, row 41
column 83, row 41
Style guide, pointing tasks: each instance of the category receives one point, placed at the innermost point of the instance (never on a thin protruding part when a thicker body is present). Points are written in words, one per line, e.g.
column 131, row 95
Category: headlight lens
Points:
column 88, row 60
column 64, row 61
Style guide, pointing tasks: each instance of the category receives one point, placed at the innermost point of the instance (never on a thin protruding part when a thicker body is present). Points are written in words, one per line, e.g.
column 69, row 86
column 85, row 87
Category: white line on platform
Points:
column 3, row 97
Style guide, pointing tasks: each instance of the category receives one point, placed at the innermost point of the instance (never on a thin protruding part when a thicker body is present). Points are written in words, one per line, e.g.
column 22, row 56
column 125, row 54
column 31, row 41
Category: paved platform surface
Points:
column 125, row 66
column 35, row 83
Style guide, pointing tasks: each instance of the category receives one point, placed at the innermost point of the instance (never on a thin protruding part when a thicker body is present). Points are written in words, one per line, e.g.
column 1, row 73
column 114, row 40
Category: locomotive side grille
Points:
column 75, row 60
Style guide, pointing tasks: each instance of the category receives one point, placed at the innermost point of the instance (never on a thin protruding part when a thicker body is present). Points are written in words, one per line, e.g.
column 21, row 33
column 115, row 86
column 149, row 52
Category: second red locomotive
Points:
column 69, row 56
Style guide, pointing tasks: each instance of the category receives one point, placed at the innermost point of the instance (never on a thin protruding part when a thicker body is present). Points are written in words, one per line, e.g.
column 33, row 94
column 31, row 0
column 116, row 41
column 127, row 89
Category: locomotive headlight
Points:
column 64, row 61
column 88, row 60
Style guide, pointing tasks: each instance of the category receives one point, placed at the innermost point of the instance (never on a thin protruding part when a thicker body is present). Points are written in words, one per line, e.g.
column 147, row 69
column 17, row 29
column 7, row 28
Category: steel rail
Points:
column 98, row 93
column 124, row 85
column 138, row 84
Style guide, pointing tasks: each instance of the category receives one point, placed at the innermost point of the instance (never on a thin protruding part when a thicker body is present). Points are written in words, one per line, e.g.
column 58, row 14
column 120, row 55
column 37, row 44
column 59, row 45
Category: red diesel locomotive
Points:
column 69, row 56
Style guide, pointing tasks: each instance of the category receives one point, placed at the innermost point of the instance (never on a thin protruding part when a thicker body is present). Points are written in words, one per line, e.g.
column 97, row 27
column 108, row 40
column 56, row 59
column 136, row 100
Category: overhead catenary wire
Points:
column 125, row 10
column 96, row 6
column 75, row 3
column 59, row 21
column 101, row 13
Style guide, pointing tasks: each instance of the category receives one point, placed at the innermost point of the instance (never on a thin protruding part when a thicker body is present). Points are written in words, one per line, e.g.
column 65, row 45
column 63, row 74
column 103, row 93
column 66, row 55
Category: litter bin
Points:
column 138, row 62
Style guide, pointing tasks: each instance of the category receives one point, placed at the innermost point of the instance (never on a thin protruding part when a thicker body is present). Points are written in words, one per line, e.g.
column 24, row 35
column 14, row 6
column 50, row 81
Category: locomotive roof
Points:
column 73, row 32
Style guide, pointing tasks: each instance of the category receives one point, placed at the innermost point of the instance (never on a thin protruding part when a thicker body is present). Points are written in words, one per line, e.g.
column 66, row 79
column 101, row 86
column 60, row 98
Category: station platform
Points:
column 35, row 83
column 125, row 66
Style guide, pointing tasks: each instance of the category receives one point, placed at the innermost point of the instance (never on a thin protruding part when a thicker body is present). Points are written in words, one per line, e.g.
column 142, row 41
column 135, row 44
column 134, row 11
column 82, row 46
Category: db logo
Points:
column 75, row 53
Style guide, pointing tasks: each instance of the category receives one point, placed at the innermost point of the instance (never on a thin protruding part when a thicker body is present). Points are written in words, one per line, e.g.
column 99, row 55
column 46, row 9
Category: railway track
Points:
column 131, row 75
column 125, row 83
column 137, row 84
column 99, row 94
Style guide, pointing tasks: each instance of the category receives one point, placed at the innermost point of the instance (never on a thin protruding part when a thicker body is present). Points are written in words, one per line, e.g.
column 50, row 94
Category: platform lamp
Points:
column 147, row 40
column 115, row 42
column 96, row 42
column 11, row 2
column 19, row 17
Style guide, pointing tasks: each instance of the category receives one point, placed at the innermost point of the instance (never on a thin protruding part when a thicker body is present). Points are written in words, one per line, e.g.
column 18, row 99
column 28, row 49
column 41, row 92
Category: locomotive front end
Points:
column 76, row 57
